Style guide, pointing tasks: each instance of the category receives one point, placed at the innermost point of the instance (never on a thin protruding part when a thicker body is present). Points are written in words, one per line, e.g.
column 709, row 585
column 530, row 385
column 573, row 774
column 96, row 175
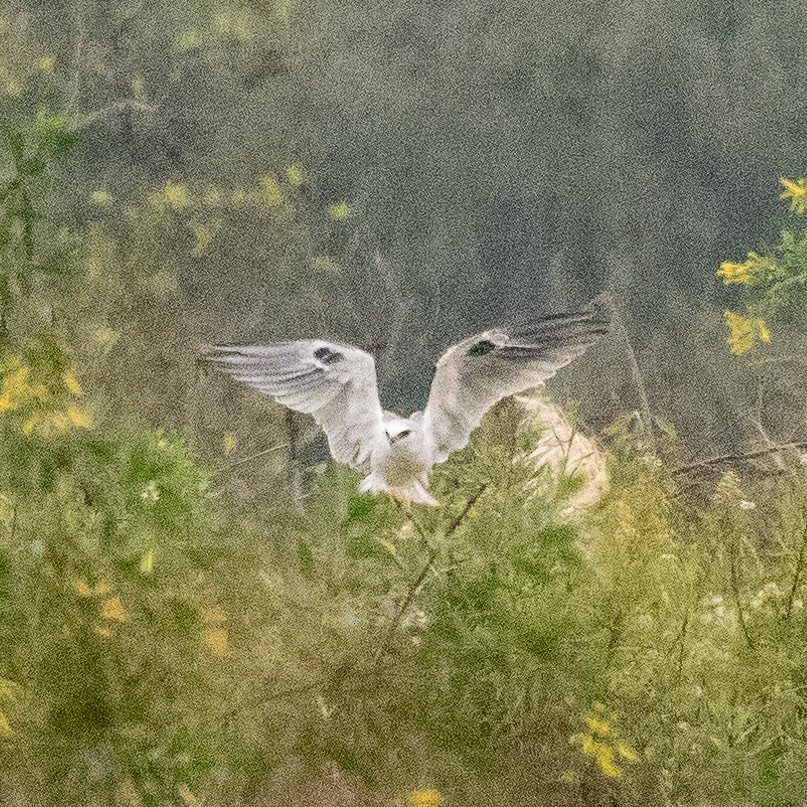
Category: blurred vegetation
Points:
column 186, row 618
column 773, row 282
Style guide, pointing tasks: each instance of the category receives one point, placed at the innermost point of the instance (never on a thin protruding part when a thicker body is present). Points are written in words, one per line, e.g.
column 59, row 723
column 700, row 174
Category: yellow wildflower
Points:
column 71, row 383
column 15, row 384
column 229, row 443
column 189, row 40
column 426, row 797
column 102, row 589
column 147, row 563
column 106, row 338
column 744, row 332
column 78, row 418
column 113, row 609
column 5, row 726
column 597, row 726
column 602, row 754
column 294, row 174
column 325, row 264
column 212, row 196
column 271, row 195
column 173, row 195
column 339, row 211
column 625, row 751
column 82, row 589
column 796, row 192
column 45, row 64
column 214, row 615
column 205, row 233
column 187, row 796
column 102, row 631
column 101, row 198
column 216, row 640
column 734, row 272
column 176, row 195
column 754, row 268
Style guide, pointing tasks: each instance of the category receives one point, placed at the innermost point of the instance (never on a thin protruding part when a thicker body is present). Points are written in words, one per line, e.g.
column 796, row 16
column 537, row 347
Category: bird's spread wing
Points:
column 334, row 383
column 480, row 371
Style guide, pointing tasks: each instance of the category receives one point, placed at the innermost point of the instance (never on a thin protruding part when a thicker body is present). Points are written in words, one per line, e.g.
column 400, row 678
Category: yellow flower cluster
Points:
column 601, row 742
column 425, row 797
column 173, row 195
column 796, row 193
column 204, row 205
column 339, row 211
column 9, row 694
column 295, row 175
column 744, row 332
column 755, row 268
column 112, row 609
column 215, row 634
column 44, row 408
column 240, row 26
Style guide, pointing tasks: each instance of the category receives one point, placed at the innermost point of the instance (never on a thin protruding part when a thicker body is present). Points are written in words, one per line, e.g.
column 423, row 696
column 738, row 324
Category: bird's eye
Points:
column 481, row 348
column 327, row 356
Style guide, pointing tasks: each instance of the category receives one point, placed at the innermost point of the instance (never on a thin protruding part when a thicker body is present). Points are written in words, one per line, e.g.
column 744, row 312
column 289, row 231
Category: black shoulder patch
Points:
column 327, row 356
column 481, row 348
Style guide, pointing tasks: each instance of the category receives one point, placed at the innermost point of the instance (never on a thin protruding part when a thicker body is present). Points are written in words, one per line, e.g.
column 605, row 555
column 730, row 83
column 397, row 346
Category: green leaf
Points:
column 306, row 559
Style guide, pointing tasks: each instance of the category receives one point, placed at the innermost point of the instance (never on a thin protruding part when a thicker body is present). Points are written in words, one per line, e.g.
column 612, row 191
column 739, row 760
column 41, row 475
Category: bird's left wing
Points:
column 476, row 373
column 334, row 383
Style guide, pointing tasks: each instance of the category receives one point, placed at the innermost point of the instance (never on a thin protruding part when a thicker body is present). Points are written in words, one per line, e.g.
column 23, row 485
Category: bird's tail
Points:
column 413, row 492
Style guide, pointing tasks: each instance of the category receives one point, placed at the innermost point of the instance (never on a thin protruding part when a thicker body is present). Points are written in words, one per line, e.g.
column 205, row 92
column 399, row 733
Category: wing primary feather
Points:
column 476, row 373
column 335, row 383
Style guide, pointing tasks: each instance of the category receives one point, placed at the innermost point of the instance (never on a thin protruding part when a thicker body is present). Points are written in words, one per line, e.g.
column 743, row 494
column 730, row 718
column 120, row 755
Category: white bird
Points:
column 336, row 384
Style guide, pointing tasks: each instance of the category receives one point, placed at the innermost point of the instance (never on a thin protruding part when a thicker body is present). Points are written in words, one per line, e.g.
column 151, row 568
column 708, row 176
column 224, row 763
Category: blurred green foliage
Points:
column 773, row 282
column 178, row 626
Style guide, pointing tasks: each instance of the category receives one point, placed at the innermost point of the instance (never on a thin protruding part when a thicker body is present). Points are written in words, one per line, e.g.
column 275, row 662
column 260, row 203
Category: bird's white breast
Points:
column 401, row 461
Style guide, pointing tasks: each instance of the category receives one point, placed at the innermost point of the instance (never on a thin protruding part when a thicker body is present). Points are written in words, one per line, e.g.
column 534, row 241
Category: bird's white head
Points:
column 396, row 427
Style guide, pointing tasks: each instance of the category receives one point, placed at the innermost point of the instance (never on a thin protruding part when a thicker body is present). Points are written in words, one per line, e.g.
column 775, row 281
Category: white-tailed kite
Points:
column 336, row 384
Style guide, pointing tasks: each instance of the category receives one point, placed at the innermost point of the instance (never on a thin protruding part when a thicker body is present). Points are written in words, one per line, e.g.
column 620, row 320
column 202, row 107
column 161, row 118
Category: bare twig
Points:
column 735, row 590
column 799, row 569
column 222, row 469
column 456, row 522
column 410, row 595
column 418, row 581
column 636, row 373
column 394, row 294
column 115, row 108
column 683, row 469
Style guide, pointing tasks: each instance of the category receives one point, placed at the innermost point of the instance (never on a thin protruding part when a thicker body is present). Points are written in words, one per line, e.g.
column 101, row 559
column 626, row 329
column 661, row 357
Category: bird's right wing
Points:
column 476, row 373
column 334, row 383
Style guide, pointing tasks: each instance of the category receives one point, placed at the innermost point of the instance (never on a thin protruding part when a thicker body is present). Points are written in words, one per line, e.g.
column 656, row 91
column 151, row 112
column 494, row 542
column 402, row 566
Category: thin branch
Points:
column 413, row 590
column 75, row 84
column 418, row 581
column 115, row 108
column 456, row 522
column 735, row 590
column 222, row 469
column 799, row 568
column 638, row 380
column 683, row 469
